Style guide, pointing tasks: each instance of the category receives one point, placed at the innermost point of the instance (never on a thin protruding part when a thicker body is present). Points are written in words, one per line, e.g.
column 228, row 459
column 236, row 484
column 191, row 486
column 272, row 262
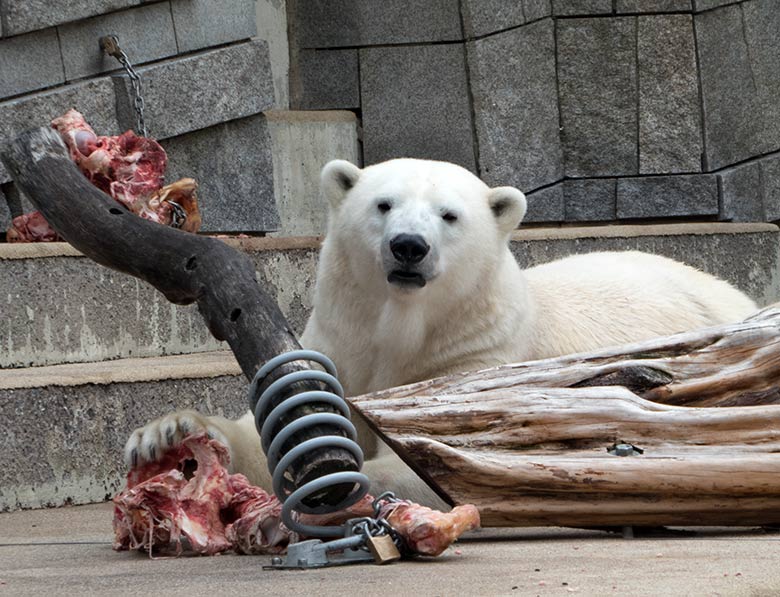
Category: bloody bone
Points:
column 127, row 167
column 216, row 511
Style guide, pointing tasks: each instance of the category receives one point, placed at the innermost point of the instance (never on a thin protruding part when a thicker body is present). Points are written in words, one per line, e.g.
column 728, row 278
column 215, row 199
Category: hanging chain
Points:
column 110, row 45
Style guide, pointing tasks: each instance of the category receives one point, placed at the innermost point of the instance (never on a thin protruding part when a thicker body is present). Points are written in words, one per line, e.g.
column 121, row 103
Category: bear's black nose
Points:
column 409, row 248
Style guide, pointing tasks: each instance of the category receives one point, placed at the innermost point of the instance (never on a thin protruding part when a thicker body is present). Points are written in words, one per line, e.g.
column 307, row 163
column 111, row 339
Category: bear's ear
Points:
column 337, row 178
column 508, row 206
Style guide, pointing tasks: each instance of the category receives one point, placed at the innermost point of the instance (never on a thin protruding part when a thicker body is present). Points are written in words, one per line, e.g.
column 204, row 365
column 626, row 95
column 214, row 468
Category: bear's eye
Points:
column 449, row 217
column 383, row 207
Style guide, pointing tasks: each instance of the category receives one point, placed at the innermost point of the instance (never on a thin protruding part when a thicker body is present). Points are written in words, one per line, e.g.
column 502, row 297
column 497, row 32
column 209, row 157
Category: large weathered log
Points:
column 186, row 268
column 528, row 443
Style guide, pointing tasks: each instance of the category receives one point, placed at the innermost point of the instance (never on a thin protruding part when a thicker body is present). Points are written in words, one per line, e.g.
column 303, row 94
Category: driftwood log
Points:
column 185, row 267
column 529, row 444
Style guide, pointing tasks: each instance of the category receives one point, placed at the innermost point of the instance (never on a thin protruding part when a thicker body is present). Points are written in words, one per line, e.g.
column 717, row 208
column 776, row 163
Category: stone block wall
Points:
column 206, row 79
column 600, row 110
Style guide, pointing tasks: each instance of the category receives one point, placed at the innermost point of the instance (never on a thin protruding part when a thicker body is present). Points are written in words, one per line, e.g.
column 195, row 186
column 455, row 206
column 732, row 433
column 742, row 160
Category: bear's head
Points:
column 411, row 223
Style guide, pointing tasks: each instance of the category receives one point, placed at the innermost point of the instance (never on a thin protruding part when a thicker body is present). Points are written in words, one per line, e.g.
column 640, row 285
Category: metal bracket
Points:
column 316, row 554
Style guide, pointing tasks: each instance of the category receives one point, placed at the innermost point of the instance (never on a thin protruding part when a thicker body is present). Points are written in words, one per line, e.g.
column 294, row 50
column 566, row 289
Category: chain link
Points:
column 110, row 45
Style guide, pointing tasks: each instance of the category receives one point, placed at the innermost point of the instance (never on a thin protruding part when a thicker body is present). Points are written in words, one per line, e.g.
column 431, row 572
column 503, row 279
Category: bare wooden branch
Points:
column 528, row 443
column 185, row 267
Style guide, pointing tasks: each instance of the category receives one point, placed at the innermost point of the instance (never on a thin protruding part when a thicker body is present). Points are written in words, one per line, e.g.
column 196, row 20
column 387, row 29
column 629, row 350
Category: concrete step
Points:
column 64, row 426
column 60, row 307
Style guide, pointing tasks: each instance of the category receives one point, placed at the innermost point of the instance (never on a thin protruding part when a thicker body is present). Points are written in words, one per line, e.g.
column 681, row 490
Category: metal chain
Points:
column 110, row 45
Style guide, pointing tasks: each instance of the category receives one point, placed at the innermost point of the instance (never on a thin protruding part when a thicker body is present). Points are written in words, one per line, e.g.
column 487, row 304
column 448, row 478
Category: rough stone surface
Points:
column 536, row 9
column 94, row 98
column 272, row 27
column 581, row 7
column 233, row 167
column 336, row 23
column 5, row 213
column 204, row 23
column 30, row 62
column 145, row 33
column 67, row 308
column 545, row 205
column 77, row 446
column 516, row 108
column 200, row 91
column 770, row 179
column 669, row 117
column 415, row 103
column 303, row 142
column 667, row 196
column 28, row 15
column 328, row 79
column 598, row 94
column 741, row 193
column 739, row 55
column 481, row 17
column 589, row 200
column 651, row 6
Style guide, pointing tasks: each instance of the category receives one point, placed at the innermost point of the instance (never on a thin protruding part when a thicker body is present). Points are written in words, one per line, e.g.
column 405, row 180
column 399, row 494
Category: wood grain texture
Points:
column 528, row 443
column 185, row 267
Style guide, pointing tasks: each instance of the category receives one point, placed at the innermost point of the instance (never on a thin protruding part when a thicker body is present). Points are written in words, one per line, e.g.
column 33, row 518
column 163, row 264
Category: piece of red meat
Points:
column 127, row 167
column 214, row 511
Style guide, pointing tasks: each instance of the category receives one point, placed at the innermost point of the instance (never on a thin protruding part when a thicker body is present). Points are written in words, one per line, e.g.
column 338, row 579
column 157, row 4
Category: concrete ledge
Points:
column 59, row 307
column 71, row 421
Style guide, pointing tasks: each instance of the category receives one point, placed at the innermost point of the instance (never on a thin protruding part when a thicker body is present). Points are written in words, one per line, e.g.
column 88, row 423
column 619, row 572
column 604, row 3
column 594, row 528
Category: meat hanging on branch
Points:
column 162, row 511
column 127, row 167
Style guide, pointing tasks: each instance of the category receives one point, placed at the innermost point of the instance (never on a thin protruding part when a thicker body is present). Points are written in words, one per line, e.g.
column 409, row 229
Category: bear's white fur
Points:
column 463, row 305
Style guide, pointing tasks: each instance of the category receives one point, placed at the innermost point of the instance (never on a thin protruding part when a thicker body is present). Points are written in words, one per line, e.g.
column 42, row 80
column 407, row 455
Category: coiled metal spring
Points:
column 267, row 420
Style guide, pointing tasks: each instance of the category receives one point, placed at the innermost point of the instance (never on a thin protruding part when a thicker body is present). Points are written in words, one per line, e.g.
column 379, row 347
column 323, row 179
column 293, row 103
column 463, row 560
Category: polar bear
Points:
column 416, row 280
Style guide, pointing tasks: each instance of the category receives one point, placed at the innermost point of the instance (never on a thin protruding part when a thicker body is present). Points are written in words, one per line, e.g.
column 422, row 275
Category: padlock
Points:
column 383, row 549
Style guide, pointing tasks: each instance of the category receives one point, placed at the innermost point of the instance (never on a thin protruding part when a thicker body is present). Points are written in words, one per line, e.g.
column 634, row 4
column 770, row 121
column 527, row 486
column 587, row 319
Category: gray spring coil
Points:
column 290, row 496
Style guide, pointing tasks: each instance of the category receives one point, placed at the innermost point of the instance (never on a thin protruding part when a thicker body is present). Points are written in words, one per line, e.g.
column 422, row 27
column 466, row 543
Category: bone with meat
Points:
column 127, row 167
column 162, row 511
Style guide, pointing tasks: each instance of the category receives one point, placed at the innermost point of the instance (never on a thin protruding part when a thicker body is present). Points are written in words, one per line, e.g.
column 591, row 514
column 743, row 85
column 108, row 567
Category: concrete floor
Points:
column 67, row 551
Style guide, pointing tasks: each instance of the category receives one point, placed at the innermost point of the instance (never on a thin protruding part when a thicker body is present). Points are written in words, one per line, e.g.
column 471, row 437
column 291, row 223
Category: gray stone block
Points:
column 302, row 143
column 328, row 79
column 65, row 308
column 589, row 200
column 669, row 117
column 205, row 23
column 199, row 91
column 545, row 205
column 739, row 86
column 770, row 183
column 30, row 62
column 651, row 6
column 740, row 194
column 581, row 7
column 77, row 445
column 232, row 164
column 94, row 98
column 145, row 33
column 598, row 95
column 667, row 196
column 536, row 9
column 29, row 15
column 481, row 17
column 515, row 106
column 415, row 104
column 338, row 23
